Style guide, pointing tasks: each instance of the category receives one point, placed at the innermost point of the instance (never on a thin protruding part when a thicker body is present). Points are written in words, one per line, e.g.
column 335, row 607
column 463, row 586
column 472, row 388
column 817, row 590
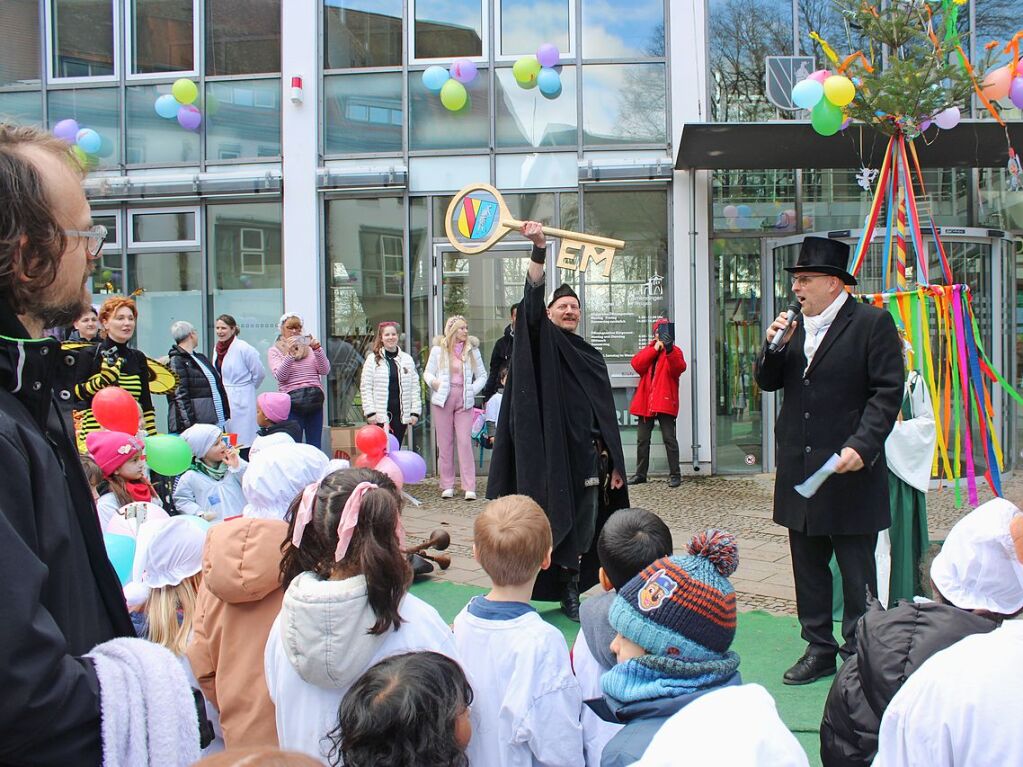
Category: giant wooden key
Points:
column 477, row 219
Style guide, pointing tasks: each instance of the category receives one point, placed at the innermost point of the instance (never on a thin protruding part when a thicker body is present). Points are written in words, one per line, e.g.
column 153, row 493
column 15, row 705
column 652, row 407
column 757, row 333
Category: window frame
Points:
column 410, row 39
column 567, row 56
column 138, row 246
column 50, row 47
column 129, row 48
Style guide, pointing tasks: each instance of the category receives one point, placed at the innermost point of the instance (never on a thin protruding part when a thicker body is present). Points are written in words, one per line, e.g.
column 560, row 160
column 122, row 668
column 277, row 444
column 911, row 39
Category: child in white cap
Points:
column 211, row 488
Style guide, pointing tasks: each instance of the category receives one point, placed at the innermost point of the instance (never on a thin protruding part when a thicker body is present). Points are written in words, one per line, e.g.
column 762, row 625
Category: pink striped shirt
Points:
column 294, row 374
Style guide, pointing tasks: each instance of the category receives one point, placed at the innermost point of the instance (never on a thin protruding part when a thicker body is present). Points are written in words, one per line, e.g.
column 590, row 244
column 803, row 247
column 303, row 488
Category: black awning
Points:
column 791, row 144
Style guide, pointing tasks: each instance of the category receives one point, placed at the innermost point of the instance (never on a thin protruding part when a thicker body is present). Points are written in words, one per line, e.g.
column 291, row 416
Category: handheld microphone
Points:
column 790, row 315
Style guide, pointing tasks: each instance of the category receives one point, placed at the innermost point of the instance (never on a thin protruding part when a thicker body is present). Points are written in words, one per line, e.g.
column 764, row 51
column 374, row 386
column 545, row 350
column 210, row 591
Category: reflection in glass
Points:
column 244, row 244
column 243, row 37
column 737, row 52
column 83, row 38
column 624, row 104
column 995, row 20
column 151, row 139
column 620, row 308
column 525, row 118
column 431, row 126
column 108, row 276
column 448, row 28
column 609, row 33
column 526, row 24
column 19, row 54
column 755, row 201
column 163, row 227
column 361, row 33
column 95, row 108
column 243, row 119
column 999, row 207
column 366, row 283
column 21, row 107
column 362, row 113
column 420, row 290
column 162, row 36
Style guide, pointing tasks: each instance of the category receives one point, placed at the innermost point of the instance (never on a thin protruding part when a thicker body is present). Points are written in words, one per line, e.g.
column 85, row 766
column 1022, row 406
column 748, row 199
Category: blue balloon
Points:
column 121, row 553
column 806, row 93
column 744, row 211
column 549, row 82
column 434, row 78
column 167, row 106
column 89, row 141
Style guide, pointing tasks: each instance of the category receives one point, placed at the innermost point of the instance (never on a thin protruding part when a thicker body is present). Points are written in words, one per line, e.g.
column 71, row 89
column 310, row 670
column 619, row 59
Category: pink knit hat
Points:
column 275, row 405
column 112, row 449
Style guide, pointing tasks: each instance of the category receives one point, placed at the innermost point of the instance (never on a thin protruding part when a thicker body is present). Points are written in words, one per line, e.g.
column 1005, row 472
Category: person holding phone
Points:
column 298, row 362
column 660, row 364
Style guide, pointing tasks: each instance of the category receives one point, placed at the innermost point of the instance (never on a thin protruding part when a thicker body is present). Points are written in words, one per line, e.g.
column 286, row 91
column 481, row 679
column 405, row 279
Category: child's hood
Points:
column 325, row 629
column 242, row 560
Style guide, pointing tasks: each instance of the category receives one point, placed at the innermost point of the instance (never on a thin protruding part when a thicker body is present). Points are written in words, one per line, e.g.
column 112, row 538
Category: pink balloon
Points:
column 463, row 70
column 386, row 466
column 996, row 83
column 412, row 465
column 820, row 75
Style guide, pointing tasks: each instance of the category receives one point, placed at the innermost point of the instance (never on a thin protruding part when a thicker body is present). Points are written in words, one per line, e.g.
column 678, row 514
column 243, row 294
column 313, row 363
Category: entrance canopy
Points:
column 791, row 144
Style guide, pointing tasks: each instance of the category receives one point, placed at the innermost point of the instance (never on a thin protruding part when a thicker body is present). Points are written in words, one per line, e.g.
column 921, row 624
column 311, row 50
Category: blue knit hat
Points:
column 682, row 605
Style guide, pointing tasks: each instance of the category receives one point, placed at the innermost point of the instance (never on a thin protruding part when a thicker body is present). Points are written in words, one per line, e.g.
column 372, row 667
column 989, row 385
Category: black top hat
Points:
column 825, row 256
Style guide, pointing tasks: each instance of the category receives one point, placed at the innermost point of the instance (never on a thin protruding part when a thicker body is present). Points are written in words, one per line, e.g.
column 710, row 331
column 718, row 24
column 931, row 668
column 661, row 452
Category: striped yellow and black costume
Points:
column 111, row 364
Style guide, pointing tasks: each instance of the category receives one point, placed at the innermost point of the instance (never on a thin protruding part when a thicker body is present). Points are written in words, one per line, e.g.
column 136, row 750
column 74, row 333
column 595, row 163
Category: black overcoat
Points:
column 849, row 397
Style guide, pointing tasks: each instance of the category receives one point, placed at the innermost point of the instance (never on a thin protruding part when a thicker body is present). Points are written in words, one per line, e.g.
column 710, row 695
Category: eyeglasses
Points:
column 94, row 238
column 802, row 280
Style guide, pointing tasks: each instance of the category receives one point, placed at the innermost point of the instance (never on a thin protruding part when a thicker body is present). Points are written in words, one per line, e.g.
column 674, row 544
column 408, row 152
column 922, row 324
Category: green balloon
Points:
column 826, row 118
column 168, row 454
column 453, row 95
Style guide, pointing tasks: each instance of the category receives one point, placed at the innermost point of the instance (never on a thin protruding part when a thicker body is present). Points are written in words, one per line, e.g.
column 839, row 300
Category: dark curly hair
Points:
column 26, row 211
column 374, row 551
column 402, row 713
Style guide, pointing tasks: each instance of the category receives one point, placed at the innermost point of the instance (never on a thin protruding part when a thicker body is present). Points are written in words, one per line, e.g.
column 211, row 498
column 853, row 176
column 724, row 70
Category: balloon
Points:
column 166, row 106
column 121, row 553
column 168, row 454
column 189, row 117
column 806, row 93
column 89, row 140
column 996, row 84
column 185, row 91
column 412, row 465
column 548, row 55
column 453, row 95
column 730, row 211
column 820, row 75
column 106, row 275
column 525, row 71
column 839, row 90
column 363, row 461
column 392, row 443
column 1016, row 92
column 106, row 147
column 947, row 119
column 386, row 466
column 115, row 409
column 549, row 83
column 744, row 211
column 371, row 440
column 434, row 78
column 463, row 70
column 67, row 130
column 826, row 118
column 925, row 124
column 845, row 123
column 84, row 160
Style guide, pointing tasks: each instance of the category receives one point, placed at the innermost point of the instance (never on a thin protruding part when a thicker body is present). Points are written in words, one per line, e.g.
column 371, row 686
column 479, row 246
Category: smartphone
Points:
column 666, row 332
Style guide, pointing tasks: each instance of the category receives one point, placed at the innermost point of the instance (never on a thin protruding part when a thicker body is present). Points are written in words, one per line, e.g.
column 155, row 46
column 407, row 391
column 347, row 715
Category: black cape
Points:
column 557, row 393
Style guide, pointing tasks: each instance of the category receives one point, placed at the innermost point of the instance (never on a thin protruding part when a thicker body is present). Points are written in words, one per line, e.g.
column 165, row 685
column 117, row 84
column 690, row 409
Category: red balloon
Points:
column 371, row 440
column 363, row 461
column 116, row 410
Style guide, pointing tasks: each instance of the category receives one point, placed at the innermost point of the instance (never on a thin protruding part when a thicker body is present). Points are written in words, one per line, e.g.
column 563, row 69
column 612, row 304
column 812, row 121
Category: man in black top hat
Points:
column 840, row 366
column 557, row 435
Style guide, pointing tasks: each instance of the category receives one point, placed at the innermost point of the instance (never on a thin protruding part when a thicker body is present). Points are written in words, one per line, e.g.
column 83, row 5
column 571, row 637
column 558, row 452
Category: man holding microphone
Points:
column 840, row 367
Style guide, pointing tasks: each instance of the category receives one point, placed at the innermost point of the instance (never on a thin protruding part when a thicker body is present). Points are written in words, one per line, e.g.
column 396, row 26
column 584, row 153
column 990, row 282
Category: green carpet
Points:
column 767, row 645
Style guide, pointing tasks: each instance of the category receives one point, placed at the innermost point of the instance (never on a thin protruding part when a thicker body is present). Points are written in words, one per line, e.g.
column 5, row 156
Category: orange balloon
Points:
column 996, row 84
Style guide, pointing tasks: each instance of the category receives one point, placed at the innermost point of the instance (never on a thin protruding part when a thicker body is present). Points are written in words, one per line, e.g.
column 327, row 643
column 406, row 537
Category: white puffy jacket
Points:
column 474, row 374
column 374, row 388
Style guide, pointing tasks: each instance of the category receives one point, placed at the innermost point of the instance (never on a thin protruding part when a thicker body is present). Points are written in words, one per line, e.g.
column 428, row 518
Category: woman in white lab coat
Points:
column 242, row 370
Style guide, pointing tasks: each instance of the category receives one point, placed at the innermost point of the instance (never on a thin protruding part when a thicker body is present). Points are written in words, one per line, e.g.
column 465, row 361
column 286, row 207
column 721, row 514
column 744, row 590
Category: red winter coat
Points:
column 658, row 384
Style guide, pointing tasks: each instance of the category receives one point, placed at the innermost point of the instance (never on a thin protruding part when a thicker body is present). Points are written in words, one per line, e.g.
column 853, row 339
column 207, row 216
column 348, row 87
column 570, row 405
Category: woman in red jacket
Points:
column 659, row 365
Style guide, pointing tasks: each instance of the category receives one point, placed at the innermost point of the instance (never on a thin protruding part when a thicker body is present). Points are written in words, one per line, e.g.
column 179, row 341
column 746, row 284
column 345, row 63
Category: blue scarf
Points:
column 652, row 677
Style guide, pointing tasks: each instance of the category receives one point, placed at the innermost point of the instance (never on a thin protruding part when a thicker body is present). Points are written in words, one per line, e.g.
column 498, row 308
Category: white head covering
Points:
column 135, row 592
column 201, row 438
column 269, row 440
column 276, row 475
column 977, row 567
column 173, row 554
column 287, row 316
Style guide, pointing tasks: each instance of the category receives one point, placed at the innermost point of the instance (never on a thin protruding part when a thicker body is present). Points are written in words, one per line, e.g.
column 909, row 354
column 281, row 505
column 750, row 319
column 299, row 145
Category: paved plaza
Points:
column 741, row 505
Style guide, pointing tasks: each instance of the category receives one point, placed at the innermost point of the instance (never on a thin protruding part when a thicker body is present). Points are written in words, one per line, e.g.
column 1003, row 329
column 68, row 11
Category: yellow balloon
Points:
column 185, row 91
column 839, row 90
column 453, row 95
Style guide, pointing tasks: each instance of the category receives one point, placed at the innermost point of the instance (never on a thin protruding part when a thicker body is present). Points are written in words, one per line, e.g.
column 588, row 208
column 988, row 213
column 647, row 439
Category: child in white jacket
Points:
column 212, row 487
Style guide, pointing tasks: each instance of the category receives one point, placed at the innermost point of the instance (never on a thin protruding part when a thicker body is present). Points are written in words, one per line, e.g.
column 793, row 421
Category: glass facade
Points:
column 362, row 33
column 19, row 54
column 447, row 29
column 82, row 38
column 162, row 36
column 243, row 37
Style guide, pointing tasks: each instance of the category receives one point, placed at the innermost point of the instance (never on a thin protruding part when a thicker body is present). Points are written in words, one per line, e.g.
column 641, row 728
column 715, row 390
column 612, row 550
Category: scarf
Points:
column 816, row 327
column 221, row 352
column 139, row 489
column 216, row 474
column 651, row 677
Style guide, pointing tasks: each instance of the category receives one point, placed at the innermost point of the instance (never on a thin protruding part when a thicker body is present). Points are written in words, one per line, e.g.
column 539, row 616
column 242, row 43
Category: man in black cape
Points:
column 557, row 435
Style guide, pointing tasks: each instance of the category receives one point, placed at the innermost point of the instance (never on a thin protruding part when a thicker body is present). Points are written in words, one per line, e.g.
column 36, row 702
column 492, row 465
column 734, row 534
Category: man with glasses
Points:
column 840, row 367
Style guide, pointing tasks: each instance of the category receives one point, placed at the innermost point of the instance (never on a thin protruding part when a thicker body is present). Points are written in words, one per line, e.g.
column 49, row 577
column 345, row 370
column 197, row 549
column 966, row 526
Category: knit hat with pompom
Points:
column 682, row 605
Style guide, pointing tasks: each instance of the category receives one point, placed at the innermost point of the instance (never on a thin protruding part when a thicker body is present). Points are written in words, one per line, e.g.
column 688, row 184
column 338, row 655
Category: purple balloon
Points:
column 189, row 117
column 925, row 124
column 548, row 55
column 846, row 123
column 67, row 130
column 1016, row 92
column 412, row 465
column 463, row 70
column 392, row 443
